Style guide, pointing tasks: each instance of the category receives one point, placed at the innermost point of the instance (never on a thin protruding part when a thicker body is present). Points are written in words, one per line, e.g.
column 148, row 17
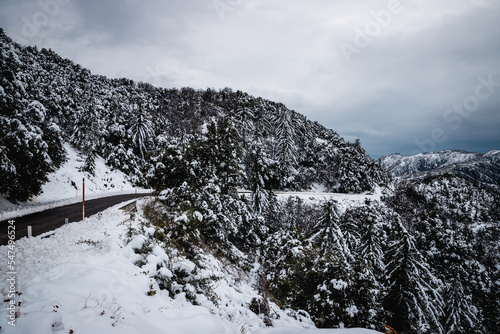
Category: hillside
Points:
column 64, row 186
column 47, row 100
column 87, row 282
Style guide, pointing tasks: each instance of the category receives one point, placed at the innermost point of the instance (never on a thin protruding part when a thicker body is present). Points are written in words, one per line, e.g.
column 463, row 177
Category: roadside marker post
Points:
column 30, row 232
column 83, row 201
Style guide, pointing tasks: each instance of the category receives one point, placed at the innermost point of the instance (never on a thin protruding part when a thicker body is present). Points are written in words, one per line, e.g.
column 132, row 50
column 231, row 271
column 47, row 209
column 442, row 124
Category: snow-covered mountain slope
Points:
column 65, row 186
column 66, row 182
column 85, row 280
column 481, row 167
column 136, row 128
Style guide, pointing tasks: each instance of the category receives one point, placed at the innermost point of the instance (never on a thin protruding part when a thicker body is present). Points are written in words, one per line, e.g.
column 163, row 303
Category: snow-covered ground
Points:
column 65, row 187
column 287, row 330
column 83, row 279
column 343, row 201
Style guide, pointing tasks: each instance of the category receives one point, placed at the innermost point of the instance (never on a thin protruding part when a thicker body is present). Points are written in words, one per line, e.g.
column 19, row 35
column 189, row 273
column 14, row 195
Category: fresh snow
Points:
column 400, row 165
column 315, row 331
column 66, row 182
column 65, row 187
column 476, row 166
column 82, row 279
column 342, row 201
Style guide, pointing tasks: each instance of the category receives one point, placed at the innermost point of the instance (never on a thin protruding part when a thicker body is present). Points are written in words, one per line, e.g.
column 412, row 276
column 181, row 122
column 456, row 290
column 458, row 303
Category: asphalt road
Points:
column 49, row 220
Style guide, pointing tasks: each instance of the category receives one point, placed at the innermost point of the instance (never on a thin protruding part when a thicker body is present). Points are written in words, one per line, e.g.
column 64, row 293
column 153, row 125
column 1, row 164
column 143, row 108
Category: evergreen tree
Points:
column 286, row 150
column 261, row 174
column 141, row 126
column 372, row 237
column 366, row 226
column 28, row 159
column 460, row 313
column 367, row 292
column 169, row 168
column 85, row 136
column 329, row 235
column 492, row 304
column 413, row 302
column 89, row 163
column 295, row 275
column 244, row 123
column 332, row 303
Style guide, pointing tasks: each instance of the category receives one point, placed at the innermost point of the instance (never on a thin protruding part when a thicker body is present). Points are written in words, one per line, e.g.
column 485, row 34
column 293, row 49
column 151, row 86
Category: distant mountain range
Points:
column 481, row 167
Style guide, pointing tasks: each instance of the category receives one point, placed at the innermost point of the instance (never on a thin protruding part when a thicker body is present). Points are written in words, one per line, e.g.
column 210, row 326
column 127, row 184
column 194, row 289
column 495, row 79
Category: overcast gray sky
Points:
column 401, row 75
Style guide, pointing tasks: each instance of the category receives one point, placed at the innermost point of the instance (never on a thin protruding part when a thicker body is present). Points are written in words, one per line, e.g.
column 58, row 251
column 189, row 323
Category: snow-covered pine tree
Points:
column 296, row 277
column 492, row 305
column 261, row 174
column 244, row 123
column 332, row 303
column 89, row 163
column 141, row 126
column 85, row 135
column 328, row 234
column 366, row 295
column 413, row 301
column 169, row 169
column 357, row 172
column 372, row 239
column 460, row 315
column 364, row 226
column 28, row 158
column 451, row 258
column 222, row 152
column 286, row 149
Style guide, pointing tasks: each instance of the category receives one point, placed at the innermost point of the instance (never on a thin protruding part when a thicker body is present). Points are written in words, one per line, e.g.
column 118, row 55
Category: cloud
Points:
column 419, row 61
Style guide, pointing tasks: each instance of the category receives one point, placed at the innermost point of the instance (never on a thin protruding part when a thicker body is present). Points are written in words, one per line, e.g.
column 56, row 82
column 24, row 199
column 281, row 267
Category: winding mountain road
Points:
column 49, row 220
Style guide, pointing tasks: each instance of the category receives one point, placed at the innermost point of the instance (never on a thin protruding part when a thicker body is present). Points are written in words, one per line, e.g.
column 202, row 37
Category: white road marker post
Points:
column 30, row 232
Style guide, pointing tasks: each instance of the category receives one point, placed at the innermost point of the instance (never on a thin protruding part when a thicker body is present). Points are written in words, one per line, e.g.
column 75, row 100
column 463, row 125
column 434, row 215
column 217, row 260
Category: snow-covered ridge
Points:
column 482, row 167
column 400, row 165
column 495, row 154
